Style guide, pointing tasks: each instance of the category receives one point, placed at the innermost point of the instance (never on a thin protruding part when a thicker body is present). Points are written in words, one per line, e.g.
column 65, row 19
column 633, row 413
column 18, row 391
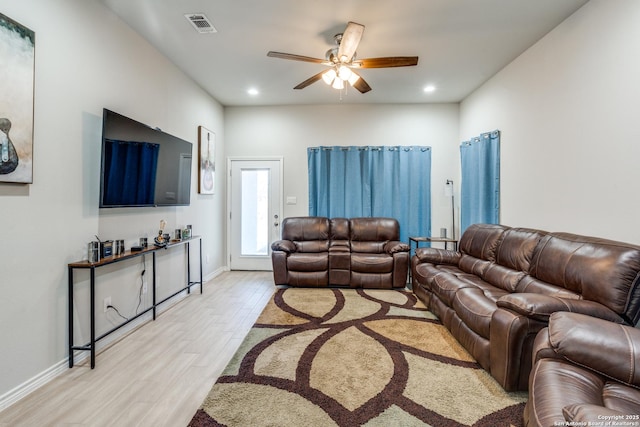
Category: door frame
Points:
column 230, row 159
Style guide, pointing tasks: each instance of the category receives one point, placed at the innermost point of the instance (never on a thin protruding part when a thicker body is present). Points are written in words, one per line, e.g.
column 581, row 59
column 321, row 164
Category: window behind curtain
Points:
column 480, row 187
column 364, row 181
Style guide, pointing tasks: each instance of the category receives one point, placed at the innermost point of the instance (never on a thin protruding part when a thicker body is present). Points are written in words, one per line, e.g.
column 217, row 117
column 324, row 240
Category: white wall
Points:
column 87, row 59
column 568, row 110
column 288, row 131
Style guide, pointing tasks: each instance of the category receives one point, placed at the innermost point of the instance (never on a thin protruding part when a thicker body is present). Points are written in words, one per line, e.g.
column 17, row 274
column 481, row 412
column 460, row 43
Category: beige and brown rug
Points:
column 329, row 357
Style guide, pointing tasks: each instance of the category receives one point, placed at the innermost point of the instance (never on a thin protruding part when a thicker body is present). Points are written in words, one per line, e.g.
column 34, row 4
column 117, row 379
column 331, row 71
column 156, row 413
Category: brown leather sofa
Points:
column 586, row 372
column 356, row 252
column 499, row 290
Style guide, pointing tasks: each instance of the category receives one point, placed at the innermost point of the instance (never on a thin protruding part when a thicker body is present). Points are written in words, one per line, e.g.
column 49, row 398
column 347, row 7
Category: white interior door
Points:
column 254, row 216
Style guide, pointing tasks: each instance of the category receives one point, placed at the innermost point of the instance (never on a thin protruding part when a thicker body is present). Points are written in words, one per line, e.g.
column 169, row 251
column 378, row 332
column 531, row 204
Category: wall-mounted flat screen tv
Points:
column 142, row 166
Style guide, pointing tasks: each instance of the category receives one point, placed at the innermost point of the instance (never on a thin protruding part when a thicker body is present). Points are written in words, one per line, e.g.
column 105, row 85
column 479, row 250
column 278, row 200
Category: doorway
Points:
column 254, row 208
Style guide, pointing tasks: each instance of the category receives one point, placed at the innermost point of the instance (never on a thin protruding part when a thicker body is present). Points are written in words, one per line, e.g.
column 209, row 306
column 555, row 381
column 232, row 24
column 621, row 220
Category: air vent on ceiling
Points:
column 201, row 23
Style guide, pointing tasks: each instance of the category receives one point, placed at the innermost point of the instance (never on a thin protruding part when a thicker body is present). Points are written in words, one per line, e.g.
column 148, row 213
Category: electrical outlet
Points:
column 144, row 287
column 106, row 303
column 207, row 258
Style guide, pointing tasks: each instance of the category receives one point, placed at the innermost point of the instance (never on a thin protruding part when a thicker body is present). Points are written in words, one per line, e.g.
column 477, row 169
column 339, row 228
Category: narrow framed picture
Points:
column 206, row 160
column 17, row 77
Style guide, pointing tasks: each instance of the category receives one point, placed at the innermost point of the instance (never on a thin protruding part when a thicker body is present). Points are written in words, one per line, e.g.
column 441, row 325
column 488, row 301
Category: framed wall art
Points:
column 17, row 76
column 206, row 160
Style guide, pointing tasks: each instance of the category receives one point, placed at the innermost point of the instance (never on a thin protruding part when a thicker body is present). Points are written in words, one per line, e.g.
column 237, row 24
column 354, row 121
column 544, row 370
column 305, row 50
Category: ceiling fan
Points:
column 342, row 61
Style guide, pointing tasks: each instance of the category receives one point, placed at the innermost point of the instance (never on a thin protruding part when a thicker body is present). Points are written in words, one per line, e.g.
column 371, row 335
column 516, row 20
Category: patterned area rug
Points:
column 329, row 357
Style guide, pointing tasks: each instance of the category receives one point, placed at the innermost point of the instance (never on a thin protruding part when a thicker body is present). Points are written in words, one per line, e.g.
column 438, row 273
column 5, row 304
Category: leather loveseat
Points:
column 499, row 290
column 356, row 252
column 586, row 372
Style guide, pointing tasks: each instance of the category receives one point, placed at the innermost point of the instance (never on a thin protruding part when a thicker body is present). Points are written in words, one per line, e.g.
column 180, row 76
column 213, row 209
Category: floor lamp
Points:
column 448, row 191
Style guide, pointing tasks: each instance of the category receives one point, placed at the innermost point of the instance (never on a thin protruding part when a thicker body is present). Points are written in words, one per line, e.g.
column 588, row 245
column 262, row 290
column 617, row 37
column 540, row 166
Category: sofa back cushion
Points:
column 477, row 245
column 512, row 257
column 310, row 234
column 481, row 240
column 600, row 270
column 339, row 235
column 369, row 235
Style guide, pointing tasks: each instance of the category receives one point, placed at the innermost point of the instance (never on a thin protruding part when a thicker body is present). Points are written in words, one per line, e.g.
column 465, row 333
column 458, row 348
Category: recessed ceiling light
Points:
column 253, row 91
column 429, row 88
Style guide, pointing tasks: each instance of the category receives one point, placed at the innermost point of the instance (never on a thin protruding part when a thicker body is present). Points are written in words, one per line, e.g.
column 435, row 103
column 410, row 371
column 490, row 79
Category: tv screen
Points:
column 142, row 166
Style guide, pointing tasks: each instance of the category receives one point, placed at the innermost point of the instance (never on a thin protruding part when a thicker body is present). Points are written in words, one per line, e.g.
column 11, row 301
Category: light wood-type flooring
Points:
column 159, row 374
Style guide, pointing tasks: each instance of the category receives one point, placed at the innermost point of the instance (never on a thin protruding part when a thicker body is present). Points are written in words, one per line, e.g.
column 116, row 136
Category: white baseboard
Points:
column 31, row 385
column 12, row 396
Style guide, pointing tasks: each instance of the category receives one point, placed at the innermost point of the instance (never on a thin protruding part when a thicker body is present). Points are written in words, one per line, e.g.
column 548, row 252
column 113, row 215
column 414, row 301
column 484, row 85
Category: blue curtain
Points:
column 130, row 172
column 368, row 181
column 480, row 185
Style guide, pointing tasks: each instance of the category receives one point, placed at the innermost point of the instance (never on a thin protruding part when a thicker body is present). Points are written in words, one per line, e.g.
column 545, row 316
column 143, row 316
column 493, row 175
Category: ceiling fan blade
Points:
column 350, row 41
column 295, row 57
column 361, row 85
column 388, row 62
column 310, row 80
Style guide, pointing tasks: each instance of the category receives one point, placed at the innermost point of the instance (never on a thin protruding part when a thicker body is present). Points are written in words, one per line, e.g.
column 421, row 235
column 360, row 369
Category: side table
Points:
column 445, row 240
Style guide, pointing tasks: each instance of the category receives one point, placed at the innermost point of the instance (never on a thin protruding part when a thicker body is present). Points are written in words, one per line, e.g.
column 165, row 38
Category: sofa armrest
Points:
column 284, row 246
column 540, row 306
column 394, row 246
column 437, row 256
column 608, row 348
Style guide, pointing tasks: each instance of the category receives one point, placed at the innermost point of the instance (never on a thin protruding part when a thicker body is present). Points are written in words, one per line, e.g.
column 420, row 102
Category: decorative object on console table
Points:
column 206, row 160
column 161, row 240
column 17, row 43
column 93, row 254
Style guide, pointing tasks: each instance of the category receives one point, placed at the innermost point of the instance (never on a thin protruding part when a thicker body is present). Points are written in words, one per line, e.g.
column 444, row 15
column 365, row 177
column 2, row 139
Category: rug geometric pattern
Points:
column 346, row 357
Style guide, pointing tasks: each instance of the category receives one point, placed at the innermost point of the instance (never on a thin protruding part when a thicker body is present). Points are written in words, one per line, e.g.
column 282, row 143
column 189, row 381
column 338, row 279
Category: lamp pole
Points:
column 449, row 185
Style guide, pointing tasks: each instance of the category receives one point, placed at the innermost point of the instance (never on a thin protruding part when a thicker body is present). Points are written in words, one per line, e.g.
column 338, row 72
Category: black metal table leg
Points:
column 70, row 317
column 93, row 317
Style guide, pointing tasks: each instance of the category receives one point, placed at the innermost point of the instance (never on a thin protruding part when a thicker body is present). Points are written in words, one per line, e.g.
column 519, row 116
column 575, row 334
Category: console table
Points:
column 92, row 266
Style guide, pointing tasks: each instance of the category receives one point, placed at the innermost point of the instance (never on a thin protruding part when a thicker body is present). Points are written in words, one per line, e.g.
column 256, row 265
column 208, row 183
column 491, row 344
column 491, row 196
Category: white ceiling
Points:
column 460, row 43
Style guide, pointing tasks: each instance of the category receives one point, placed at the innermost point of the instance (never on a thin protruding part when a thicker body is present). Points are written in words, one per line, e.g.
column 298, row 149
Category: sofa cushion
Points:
column 369, row 235
column 516, row 248
column 308, row 262
column 445, row 285
column 530, row 284
column 481, row 240
column 581, row 340
column 556, row 384
column 512, row 258
column 339, row 235
column 600, row 270
column 473, row 265
column 621, row 397
column 502, row 277
column 305, row 228
column 371, row 263
column 309, row 234
column 474, row 309
column 427, row 272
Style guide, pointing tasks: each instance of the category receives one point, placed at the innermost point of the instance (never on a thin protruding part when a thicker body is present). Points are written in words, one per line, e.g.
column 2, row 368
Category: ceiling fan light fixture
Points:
column 329, row 76
column 338, row 84
column 344, row 72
